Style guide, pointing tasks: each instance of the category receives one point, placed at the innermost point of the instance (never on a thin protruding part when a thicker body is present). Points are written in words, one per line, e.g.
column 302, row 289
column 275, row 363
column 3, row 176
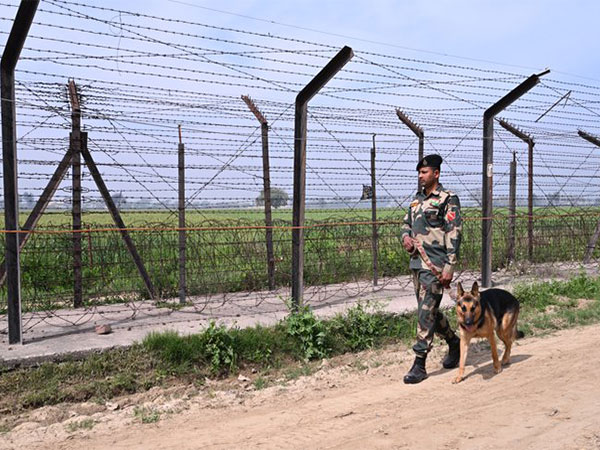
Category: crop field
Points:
column 226, row 251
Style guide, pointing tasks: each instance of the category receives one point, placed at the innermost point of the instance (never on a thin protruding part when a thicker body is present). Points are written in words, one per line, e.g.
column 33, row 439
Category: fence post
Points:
column 182, row 231
column 594, row 239
column 512, row 209
column 415, row 129
column 302, row 99
column 374, row 239
column 264, row 128
column 75, row 146
column 530, row 143
column 113, row 210
column 10, row 56
column 488, row 170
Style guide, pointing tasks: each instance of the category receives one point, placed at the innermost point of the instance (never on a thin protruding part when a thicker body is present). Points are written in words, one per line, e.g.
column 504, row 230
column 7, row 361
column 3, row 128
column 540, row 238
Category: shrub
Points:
column 309, row 331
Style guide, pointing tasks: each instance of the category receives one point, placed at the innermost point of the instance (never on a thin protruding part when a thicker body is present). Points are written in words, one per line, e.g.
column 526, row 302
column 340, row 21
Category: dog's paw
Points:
column 457, row 380
column 497, row 369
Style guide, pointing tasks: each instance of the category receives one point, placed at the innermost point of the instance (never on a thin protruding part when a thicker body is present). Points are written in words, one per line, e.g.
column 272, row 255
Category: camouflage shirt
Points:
column 435, row 221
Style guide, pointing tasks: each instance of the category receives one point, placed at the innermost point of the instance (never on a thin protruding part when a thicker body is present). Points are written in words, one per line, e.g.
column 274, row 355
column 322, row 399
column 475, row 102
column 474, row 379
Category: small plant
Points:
column 146, row 415
column 260, row 383
column 360, row 327
column 85, row 424
column 310, row 332
column 297, row 372
column 219, row 348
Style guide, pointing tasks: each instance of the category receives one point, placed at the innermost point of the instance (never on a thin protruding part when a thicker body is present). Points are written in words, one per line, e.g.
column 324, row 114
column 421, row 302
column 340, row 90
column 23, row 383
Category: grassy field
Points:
column 230, row 256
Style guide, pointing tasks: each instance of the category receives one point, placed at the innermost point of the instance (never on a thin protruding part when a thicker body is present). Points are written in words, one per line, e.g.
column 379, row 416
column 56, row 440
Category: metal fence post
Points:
column 302, row 99
column 512, row 209
column 415, row 129
column 182, row 231
column 374, row 239
column 10, row 56
column 264, row 128
column 75, row 146
column 594, row 239
column 488, row 170
column 530, row 144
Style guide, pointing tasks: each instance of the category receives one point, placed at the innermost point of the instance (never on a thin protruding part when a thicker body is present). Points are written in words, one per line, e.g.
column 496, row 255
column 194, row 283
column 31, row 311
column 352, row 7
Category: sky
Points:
column 425, row 42
column 561, row 35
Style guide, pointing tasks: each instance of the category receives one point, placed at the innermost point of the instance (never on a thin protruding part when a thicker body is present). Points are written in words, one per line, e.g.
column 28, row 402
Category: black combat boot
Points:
column 417, row 372
column 451, row 359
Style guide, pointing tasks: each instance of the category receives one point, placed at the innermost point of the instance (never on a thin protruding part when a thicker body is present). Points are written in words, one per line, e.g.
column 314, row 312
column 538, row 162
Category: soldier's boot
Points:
column 417, row 372
column 453, row 356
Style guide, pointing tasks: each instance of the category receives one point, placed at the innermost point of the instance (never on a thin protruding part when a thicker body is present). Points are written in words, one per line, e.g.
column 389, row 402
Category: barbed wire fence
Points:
column 145, row 82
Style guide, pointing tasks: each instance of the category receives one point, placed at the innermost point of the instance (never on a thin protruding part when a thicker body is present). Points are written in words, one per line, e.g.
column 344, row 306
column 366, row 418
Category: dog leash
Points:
column 434, row 269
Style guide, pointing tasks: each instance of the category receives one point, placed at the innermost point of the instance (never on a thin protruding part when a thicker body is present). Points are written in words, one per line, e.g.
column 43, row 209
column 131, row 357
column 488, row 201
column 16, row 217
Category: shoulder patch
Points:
column 450, row 216
column 414, row 203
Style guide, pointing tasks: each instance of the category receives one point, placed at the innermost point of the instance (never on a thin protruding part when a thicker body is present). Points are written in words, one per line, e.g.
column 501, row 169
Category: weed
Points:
column 85, row 424
column 260, row 383
column 146, row 415
column 360, row 365
column 219, row 348
column 359, row 327
column 309, row 331
column 215, row 346
column 299, row 371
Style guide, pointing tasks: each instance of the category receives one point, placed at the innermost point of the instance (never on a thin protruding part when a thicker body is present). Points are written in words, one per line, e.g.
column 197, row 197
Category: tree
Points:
column 119, row 200
column 278, row 198
column 27, row 201
column 554, row 199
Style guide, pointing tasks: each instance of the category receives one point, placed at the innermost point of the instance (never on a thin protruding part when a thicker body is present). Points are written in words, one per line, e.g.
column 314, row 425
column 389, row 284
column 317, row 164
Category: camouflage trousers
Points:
column 431, row 321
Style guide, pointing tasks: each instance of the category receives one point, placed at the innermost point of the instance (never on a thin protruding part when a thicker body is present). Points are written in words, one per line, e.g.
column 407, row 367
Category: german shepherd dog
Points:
column 479, row 314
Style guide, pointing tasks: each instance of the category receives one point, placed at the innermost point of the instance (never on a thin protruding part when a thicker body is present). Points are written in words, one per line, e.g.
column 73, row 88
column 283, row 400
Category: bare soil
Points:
column 548, row 398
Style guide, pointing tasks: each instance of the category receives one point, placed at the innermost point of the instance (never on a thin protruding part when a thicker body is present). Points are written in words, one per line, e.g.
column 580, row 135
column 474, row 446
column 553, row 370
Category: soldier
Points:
column 431, row 233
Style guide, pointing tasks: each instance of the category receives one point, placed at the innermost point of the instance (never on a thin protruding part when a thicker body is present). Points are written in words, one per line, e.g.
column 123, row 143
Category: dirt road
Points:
column 549, row 398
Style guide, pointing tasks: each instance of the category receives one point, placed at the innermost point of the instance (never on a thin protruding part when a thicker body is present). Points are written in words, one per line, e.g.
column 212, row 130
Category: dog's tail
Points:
column 520, row 334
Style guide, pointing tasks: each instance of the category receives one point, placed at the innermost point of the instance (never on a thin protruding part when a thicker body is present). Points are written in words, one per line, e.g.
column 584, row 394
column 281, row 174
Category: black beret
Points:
column 433, row 161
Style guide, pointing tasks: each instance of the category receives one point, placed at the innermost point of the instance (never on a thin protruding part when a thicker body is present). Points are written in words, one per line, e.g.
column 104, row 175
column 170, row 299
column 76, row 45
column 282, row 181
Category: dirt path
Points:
column 549, row 398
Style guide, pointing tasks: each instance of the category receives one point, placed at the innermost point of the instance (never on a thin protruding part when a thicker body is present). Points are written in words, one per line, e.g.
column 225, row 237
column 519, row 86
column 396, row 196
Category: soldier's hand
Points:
column 408, row 244
column 446, row 279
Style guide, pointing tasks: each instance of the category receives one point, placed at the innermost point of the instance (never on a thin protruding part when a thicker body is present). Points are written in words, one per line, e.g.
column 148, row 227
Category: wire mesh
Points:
column 140, row 76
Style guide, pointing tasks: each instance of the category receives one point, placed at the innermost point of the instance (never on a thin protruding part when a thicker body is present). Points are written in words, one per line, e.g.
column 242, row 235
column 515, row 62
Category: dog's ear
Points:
column 459, row 290
column 475, row 289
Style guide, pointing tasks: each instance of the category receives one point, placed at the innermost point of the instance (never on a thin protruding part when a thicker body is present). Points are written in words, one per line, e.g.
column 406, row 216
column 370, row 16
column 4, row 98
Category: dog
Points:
column 479, row 314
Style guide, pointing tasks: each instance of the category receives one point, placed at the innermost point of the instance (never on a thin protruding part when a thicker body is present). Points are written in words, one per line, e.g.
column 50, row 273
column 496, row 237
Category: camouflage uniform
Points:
column 434, row 221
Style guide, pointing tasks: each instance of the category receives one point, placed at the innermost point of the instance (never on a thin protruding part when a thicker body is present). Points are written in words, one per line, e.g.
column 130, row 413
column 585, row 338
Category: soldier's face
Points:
column 428, row 177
